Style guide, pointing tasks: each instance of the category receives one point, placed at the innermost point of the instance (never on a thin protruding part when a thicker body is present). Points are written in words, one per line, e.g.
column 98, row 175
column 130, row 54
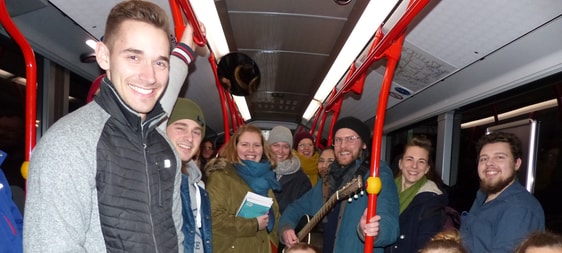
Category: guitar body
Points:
column 308, row 223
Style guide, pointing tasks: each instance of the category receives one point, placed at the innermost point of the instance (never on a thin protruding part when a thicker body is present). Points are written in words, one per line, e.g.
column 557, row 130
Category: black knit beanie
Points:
column 356, row 125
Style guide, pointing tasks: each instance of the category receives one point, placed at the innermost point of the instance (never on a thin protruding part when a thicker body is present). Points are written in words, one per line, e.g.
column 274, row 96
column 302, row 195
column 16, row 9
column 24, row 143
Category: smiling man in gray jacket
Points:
column 104, row 178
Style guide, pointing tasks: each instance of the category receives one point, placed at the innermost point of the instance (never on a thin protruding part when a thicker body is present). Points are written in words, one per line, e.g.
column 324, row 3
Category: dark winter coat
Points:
column 293, row 186
column 422, row 219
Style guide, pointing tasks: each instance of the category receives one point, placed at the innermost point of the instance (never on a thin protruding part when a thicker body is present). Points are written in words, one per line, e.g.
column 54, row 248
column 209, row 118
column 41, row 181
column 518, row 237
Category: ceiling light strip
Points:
column 514, row 113
column 242, row 107
column 373, row 15
column 207, row 14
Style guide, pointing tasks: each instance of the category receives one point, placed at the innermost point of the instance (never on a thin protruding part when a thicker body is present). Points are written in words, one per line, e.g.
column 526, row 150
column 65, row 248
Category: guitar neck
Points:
column 348, row 189
column 318, row 217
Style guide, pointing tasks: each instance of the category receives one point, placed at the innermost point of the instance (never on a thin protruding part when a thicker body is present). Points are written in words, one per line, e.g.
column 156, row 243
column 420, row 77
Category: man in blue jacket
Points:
column 342, row 232
column 504, row 212
column 186, row 128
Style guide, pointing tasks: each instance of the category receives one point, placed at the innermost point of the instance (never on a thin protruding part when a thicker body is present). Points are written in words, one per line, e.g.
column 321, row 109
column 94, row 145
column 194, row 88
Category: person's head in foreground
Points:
column 541, row 242
column 302, row 248
column 448, row 241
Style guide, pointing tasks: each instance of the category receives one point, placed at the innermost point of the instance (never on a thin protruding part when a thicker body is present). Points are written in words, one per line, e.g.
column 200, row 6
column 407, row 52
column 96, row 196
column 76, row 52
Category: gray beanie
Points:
column 280, row 134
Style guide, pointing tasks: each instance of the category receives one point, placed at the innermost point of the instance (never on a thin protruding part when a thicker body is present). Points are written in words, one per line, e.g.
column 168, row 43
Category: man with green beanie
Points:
column 186, row 129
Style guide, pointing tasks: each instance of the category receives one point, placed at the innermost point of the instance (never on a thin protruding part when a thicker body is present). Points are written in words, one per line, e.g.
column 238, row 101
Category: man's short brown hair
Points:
column 137, row 10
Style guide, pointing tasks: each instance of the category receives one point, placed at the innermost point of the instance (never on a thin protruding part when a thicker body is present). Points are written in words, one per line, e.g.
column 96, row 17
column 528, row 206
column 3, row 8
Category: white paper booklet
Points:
column 254, row 205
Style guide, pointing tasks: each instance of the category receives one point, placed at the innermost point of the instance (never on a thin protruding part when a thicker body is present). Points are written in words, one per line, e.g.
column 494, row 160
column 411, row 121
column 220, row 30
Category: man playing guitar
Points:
column 346, row 227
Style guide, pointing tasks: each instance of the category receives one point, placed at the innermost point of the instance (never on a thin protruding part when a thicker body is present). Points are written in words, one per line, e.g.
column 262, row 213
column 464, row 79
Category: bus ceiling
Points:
column 472, row 49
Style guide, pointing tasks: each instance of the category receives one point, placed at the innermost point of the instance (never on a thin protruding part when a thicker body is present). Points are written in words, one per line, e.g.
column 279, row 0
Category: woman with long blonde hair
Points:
column 244, row 164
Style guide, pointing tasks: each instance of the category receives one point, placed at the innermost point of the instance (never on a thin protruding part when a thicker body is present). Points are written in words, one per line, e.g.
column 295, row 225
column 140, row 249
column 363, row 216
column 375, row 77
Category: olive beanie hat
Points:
column 187, row 109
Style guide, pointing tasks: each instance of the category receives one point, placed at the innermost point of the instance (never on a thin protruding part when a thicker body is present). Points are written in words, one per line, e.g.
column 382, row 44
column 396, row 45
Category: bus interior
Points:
column 460, row 67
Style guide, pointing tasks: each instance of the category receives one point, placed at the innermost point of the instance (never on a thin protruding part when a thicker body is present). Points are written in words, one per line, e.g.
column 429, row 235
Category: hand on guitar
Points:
column 262, row 221
column 371, row 228
column 290, row 237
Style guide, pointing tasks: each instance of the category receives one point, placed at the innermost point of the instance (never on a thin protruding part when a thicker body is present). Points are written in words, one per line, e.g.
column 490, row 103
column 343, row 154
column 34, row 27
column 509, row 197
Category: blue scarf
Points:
column 260, row 178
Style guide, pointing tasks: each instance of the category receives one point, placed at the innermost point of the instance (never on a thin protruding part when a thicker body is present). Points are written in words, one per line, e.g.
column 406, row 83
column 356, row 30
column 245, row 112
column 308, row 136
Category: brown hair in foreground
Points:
column 542, row 239
column 447, row 241
column 302, row 247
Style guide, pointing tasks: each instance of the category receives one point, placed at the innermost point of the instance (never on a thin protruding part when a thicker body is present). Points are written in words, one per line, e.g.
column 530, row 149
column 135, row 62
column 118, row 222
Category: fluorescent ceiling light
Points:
column 91, row 43
column 5, row 74
column 311, row 109
column 16, row 79
column 206, row 13
column 373, row 15
column 517, row 112
column 242, row 107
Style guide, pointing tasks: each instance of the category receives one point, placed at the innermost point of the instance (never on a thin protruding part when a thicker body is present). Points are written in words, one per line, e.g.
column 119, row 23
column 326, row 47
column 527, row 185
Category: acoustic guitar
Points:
column 347, row 190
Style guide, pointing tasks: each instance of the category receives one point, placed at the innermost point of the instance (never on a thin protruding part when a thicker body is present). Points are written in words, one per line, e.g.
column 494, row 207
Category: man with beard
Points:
column 504, row 212
column 346, row 222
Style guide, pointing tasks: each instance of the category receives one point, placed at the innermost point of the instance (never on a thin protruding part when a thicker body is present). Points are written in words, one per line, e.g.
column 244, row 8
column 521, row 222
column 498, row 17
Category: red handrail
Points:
column 389, row 46
column 232, row 109
column 414, row 7
column 179, row 6
column 177, row 17
column 314, row 123
column 321, row 129
column 240, row 119
column 393, row 41
column 185, row 6
column 392, row 60
column 222, row 94
column 336, row 108
column 31, row 83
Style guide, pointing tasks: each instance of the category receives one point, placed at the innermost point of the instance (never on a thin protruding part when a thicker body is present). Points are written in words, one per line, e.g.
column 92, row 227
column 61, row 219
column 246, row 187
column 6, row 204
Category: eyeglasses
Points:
column 307, row 145
column 347, row 139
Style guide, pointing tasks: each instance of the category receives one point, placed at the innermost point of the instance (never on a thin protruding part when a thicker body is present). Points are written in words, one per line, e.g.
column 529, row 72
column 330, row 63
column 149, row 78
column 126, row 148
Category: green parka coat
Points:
column 230, row 233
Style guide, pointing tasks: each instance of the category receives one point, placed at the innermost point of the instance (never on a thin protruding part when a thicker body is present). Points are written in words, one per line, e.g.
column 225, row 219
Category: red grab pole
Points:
column 31, row 83
column 374, row 180
column 176, row 6
column 391, row 47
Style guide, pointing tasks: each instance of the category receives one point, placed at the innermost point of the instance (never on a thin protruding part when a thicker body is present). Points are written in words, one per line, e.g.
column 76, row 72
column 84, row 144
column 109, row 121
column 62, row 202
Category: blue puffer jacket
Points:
column 11, row 221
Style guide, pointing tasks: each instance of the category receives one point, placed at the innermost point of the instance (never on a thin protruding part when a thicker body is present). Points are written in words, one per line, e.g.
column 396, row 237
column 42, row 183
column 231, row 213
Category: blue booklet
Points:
column 254, row 205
